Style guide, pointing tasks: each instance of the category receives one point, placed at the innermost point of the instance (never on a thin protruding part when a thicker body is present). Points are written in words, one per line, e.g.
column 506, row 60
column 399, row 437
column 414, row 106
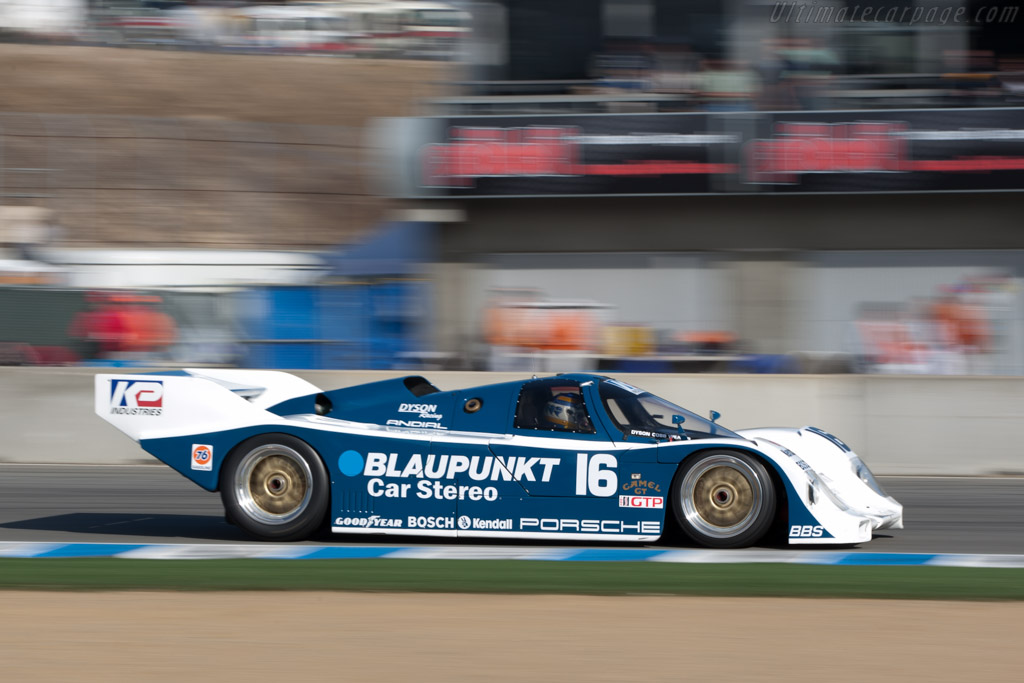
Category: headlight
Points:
column 816, row 485
column 866, row 476
column 821, row 485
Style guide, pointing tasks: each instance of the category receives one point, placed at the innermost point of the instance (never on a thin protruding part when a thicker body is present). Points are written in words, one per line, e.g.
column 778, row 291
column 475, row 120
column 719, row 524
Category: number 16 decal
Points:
column 596, row 474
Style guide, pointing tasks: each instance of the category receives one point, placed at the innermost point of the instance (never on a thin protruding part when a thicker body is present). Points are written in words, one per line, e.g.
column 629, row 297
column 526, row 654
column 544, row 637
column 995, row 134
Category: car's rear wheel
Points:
column 723, row 499
column 275, row 487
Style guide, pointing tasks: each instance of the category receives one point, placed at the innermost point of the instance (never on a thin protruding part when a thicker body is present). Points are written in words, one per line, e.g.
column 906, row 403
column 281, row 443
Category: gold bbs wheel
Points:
column 275, row 483
column 724, row 499
column 275, row 487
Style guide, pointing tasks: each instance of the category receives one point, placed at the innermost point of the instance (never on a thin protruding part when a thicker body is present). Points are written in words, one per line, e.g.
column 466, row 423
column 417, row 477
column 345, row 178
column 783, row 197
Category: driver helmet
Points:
column 565, row 411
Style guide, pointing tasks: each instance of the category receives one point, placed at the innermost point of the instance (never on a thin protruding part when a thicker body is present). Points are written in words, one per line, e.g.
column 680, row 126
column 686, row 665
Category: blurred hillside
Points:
column 197, row 149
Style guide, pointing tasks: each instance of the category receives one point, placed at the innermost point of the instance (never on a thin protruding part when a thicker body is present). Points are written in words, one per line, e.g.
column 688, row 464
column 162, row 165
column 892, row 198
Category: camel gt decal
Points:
column 136, row 397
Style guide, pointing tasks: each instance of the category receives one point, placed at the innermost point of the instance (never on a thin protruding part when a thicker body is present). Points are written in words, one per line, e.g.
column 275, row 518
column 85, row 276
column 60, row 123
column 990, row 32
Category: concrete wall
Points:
column 900, row 425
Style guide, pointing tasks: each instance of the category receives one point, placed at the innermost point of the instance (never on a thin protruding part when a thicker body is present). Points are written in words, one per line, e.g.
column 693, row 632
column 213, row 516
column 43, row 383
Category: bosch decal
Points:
column 423, row 522
column 136, row 397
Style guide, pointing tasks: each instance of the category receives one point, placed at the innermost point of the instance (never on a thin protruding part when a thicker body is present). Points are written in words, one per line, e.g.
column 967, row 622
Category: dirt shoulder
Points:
column 194, row 149
column 402, row 637
column 265, row 88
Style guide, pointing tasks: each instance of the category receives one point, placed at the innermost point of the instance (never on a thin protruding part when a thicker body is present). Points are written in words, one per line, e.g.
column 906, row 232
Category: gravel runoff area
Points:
column 243, row 636
column 165, row 83
column 196, row 149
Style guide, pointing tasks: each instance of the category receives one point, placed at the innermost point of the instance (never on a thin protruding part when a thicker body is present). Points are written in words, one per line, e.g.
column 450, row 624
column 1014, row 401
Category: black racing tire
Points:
column 275, row 487
column 723, row 499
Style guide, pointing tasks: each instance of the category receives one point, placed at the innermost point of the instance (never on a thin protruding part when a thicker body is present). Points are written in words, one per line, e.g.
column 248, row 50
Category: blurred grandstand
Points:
column 375, row 28
column 604, row 184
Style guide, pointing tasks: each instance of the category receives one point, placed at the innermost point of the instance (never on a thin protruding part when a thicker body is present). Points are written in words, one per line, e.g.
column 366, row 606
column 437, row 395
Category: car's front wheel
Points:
column 275, row 487
column 723, row 499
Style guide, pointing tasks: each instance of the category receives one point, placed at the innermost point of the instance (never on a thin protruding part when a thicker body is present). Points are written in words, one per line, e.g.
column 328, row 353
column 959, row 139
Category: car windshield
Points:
column 641, row 413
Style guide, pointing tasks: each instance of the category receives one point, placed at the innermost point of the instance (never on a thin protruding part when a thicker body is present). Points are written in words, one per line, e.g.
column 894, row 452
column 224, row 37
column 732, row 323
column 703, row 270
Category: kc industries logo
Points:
column 136, row 397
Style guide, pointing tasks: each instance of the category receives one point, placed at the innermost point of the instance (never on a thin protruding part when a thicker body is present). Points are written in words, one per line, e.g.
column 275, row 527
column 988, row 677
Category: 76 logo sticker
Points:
column 202, row 457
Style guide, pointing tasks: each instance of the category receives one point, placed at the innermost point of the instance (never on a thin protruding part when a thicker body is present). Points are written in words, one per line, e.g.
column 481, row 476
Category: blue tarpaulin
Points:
column 397, row 248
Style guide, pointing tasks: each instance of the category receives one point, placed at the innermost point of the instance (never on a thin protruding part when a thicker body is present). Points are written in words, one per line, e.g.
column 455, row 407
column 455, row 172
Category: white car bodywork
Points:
column 841, row 492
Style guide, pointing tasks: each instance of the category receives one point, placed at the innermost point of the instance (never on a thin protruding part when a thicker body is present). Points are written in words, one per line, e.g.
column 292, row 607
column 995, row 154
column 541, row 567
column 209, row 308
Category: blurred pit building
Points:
column 592, row 184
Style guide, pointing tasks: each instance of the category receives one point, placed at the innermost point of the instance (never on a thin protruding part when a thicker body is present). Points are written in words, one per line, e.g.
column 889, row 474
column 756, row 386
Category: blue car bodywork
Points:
column 400, row 456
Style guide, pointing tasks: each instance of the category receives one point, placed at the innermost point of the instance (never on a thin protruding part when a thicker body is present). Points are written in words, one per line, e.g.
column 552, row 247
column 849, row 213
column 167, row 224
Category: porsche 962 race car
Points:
column 575, row 457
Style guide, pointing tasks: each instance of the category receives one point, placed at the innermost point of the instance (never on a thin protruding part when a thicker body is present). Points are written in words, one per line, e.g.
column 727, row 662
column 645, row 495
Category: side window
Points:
column 618, row 417
column 553, row 405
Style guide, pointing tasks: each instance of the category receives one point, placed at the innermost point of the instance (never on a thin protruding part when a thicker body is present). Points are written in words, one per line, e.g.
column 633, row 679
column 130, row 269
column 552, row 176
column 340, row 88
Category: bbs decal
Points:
column 806, row 531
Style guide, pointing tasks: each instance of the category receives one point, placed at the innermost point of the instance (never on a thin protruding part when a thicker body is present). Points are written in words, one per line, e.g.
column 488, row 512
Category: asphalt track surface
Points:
column 154, row 504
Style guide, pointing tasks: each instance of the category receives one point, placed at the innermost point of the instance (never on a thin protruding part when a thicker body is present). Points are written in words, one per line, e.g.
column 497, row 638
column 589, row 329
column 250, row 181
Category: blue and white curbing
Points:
column 270, row 551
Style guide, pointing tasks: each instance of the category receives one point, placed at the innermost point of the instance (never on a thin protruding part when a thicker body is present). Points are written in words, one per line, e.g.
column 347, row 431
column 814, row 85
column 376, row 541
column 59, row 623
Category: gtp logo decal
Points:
column 641, row 502
column 202, row 457
column 136, row 397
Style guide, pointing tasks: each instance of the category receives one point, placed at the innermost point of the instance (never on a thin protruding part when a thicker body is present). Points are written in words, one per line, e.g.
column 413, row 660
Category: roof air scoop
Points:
column 419, row 386
column 322, row 405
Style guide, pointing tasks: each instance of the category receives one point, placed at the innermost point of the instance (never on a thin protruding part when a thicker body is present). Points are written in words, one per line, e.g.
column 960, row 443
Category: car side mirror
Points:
column 715, row 415
column 678, row 421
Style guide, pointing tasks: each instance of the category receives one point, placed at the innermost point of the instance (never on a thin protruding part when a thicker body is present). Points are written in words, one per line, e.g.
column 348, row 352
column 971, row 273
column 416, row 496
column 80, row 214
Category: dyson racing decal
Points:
column 427, row 416
column 136, row 397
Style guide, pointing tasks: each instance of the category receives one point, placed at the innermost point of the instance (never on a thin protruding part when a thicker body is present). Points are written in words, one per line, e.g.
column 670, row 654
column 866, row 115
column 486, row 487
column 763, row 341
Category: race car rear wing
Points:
column 158, row 405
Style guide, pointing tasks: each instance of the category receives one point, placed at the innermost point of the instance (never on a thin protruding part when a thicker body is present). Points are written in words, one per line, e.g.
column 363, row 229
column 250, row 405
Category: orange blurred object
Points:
column 543, row 327
column 123, row 323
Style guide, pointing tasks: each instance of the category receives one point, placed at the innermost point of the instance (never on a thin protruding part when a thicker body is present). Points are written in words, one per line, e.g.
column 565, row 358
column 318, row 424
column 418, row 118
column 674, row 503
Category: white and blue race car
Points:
column 569, row 457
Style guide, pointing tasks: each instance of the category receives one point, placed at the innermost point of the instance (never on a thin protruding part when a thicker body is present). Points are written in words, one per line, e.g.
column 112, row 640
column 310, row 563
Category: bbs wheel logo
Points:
column 464, row 522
